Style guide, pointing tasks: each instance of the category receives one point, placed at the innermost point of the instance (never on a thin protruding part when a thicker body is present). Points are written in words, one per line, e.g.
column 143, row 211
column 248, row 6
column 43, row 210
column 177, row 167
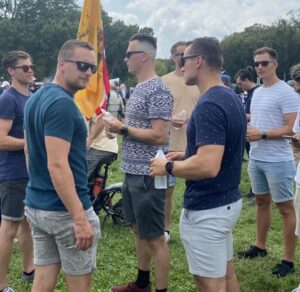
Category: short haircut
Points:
column 178, row 44
column 245, row 74
column 11, row 59
column 295, row 72
column 209, row 48
column 144, row 38
column 266, row 50
column 67, row 49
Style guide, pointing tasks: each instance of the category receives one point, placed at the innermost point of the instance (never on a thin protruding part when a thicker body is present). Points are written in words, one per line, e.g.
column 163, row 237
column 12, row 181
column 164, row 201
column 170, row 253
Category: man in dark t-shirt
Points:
column 212, row 167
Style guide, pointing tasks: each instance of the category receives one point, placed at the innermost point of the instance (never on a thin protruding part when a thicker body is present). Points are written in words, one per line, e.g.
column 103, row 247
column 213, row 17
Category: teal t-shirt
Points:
column 51, row 111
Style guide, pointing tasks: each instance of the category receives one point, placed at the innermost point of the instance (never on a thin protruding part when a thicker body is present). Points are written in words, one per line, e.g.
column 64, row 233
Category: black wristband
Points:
column 169, row 167
column 124, row 131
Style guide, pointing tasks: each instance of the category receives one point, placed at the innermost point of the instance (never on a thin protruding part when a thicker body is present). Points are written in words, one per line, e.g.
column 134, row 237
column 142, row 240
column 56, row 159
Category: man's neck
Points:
column 270, row 81
column 60, row 82
column 146, row 75
column 178, row 72
column 209, row 81
column 21, row 88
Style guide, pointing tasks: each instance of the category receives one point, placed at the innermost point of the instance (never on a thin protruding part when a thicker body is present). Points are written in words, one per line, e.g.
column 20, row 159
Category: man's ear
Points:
column 10, row 71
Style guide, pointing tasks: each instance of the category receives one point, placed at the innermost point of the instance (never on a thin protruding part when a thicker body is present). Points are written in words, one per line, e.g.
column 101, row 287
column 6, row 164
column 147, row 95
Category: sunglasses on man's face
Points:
column 25, row 68
column 130, row 53
column 183, row 58
column 263, row 63
column 83, row 66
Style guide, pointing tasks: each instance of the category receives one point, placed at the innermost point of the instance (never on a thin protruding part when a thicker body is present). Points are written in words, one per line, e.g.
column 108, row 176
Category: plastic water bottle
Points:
column 160, row 181
column 108, row 117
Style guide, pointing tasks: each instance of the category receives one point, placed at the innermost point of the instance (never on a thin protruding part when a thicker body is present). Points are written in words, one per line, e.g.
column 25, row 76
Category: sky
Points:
column 174, row 20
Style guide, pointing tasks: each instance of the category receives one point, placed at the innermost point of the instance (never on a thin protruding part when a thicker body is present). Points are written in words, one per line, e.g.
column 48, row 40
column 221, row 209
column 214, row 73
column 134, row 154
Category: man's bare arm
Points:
column 9, row 143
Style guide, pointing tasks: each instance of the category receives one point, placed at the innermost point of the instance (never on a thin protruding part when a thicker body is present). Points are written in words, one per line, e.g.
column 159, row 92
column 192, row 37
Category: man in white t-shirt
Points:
column 271, row 166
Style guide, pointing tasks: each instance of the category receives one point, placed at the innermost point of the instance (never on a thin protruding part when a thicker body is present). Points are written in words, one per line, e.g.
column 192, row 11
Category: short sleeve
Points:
column 210, row 125
column 59, row 119
column 289, row 101
column 161, row 105
column 7, row 107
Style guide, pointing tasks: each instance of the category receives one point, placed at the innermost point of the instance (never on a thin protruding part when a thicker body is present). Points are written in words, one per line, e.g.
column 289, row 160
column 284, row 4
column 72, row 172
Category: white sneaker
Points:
column 167, row 236
column 7, row 289
column 296, row 289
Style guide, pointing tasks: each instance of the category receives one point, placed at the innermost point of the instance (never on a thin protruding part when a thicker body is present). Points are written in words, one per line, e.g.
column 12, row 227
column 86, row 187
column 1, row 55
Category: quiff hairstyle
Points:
column 67, row 49
column 11, row 59
column 209, row 48
column 266, row 50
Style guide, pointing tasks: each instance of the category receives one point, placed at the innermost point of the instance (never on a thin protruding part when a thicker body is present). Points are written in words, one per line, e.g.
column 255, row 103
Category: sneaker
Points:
column 167, row 236
column 283, row 269
column 7, row 289
column 296, row 289
column 26, row 277
column 131, row 287
column 252, row 252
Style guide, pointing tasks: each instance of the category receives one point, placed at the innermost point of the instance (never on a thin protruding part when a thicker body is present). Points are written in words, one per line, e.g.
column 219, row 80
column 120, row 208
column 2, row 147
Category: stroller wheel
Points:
column 118, row 215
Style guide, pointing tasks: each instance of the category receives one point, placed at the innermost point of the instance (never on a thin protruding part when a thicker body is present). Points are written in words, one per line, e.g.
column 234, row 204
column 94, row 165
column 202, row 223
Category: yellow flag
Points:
column 90, row 30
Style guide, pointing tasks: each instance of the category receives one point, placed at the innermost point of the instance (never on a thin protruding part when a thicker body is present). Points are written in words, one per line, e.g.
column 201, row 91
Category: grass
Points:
column 116, row 263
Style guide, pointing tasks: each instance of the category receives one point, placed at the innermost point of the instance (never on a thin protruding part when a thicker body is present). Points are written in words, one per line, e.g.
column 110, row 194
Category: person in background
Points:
column 13, row 172
column 115, row 103
column 4, row 86
column 64, row 225
column 184, row 99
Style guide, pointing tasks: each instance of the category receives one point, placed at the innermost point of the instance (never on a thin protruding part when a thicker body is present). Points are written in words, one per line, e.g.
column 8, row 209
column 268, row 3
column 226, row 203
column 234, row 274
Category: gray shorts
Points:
column 144, row 205
column 171, row 181
column 12, row 194
column 54, row 241
column 207, row 238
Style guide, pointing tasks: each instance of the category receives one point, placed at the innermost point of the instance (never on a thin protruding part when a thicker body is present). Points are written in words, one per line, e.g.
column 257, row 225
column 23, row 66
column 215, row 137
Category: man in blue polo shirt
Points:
column 212, row 167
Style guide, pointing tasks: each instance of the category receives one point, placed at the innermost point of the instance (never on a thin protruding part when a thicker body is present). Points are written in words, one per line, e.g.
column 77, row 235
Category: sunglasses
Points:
column 263, row 63
column 25, row 68
column 183, row 58
column 130, row 53
column 83, row 66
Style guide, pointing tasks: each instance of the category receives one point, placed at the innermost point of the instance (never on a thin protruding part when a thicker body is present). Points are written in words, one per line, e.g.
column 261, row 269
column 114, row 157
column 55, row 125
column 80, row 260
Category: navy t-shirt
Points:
column 51, row 111
column 12, row 163
column 217, row 119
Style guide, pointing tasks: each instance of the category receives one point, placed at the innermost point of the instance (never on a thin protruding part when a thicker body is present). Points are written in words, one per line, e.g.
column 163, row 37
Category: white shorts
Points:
column 207, row 238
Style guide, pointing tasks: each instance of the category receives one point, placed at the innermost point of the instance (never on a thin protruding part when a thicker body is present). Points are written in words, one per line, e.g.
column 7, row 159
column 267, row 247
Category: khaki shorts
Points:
column 54, row 241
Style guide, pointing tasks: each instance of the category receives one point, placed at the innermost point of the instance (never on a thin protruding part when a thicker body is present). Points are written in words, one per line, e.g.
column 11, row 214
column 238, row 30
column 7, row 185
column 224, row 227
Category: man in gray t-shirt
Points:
column 146, row 129
column 271, row 166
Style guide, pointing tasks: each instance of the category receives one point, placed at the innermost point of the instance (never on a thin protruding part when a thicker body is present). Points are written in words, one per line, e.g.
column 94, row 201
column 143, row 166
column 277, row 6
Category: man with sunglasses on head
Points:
column 146, row 130
column 211, row 166
column 13, row 173
column 64, row 225
column 271, row 166
column 184, row 99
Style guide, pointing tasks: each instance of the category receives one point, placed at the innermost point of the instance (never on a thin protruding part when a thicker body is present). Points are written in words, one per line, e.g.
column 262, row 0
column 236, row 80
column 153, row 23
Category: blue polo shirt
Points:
column 51, row 111
column 217, row 119
column 12, row 163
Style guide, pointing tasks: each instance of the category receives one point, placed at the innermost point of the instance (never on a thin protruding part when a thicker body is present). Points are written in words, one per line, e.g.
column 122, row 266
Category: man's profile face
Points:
column 178, row 55
column 265, row 66
column 243, row 84
column 189, row 69
column 134, row 56
column 20, row 75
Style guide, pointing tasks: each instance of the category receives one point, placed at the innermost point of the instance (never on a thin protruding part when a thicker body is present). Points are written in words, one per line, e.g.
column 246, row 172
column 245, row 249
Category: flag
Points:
column 91, row 30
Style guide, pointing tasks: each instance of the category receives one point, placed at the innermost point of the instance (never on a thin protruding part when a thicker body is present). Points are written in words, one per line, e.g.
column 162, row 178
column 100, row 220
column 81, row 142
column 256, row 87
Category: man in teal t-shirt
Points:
column 64, row 226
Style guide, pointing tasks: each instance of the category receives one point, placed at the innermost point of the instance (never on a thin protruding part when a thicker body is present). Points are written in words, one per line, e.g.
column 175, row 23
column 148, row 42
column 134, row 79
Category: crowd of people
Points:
column 48, row 151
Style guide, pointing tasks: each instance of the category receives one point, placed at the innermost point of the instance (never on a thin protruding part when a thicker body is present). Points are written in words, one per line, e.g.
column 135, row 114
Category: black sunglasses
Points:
column 130, row 53
column 25, row 68
column 83, row 66
column 263, row 63
column 183, row 58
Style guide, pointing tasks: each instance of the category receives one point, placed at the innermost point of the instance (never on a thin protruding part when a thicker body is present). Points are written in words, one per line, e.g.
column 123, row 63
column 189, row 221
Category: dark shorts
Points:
column 12, row 194
column 144, row 205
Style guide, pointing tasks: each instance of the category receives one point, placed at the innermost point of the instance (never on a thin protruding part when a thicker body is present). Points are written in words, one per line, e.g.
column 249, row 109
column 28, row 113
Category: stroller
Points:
column 108, row 198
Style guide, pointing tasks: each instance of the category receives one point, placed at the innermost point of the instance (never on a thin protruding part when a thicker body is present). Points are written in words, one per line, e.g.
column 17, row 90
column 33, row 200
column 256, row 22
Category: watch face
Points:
column 264, row 136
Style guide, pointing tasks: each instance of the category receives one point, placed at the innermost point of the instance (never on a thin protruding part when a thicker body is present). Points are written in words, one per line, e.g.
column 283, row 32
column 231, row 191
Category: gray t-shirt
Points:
column 150, row 100
column 268, row 106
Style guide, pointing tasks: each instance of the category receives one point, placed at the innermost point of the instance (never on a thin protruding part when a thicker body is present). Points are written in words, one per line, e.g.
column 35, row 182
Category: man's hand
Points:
column 175, row 156
column 84, row 234
column 253, row 134
column 113, row 125
column 177, row 124
column 157, row 166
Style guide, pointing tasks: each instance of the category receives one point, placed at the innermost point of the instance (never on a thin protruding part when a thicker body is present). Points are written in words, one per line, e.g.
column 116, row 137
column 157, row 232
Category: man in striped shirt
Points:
column 271, row 166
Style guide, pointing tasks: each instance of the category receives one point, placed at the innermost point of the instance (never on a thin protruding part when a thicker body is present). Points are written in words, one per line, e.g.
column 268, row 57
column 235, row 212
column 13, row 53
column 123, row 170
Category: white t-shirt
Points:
column 268, row 107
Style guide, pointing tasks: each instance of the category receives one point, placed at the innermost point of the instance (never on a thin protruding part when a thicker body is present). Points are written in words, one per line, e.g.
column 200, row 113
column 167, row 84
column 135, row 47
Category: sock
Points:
column 143, row 279
column 28, row 274
column 290, row 264
column 161, row 290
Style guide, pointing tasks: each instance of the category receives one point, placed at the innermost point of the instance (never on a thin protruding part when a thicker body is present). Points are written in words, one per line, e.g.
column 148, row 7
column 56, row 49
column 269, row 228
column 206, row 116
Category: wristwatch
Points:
column 264, row 135
column 169, row 167
column 124, row 131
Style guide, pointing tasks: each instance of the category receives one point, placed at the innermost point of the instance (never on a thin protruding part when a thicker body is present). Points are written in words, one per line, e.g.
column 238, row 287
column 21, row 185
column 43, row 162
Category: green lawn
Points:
column 116, row 255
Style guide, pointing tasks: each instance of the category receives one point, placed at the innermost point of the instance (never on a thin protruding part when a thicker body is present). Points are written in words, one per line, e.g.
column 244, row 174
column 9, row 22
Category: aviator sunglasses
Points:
column 263, row 63
column 83, row 66
column 25, row 68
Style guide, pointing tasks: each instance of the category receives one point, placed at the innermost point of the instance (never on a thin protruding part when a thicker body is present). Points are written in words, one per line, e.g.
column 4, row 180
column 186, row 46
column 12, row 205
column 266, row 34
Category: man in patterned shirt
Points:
column 146, row 129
